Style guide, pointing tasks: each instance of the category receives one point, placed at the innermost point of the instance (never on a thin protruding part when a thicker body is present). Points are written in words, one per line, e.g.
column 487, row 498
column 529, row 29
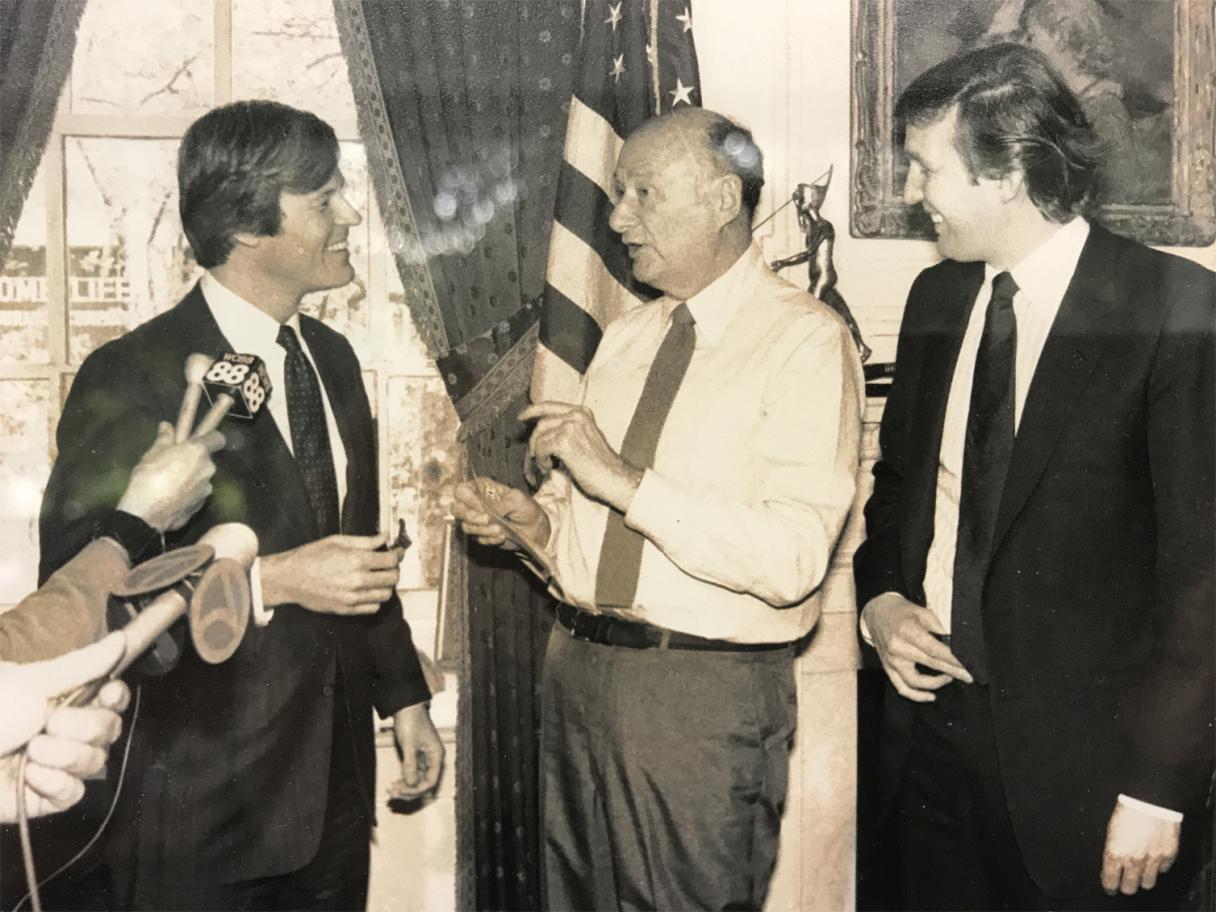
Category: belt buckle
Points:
column 601, row 629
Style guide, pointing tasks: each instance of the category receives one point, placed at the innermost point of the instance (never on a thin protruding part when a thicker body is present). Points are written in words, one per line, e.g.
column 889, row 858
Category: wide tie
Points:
column 309, row 433
column 986, row 455
column 616, row 581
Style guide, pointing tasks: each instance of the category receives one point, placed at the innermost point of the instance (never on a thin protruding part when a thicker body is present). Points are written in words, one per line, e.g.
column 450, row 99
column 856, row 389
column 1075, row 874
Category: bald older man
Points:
column 692, row 504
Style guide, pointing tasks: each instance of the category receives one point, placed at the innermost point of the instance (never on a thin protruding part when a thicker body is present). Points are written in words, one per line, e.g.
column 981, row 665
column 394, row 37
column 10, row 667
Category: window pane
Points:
column 147, row 58
column 347, row 309
column 424, row 459
column 288, row 50
column 25, row 447
column 23, row 320
column 409, row 351
column 128, row 259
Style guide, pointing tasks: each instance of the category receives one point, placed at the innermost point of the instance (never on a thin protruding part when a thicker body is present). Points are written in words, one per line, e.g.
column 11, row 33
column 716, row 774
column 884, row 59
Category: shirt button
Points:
column 328, row 690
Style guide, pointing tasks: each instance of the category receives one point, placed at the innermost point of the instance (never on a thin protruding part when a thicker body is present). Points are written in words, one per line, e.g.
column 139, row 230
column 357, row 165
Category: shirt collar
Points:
column 1045, row 272
column 715, row 305
column 249, row 329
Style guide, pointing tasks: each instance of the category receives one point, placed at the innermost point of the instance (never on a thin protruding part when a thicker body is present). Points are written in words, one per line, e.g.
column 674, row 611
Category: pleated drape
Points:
column 462, row 107
column 37, row 40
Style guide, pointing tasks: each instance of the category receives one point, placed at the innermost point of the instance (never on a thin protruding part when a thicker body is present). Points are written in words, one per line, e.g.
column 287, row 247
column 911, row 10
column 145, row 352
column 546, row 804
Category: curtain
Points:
column 462, row 108
column 37, row 39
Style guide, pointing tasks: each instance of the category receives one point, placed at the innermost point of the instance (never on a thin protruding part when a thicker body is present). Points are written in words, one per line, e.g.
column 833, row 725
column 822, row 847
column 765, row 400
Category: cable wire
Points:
column 27, row 850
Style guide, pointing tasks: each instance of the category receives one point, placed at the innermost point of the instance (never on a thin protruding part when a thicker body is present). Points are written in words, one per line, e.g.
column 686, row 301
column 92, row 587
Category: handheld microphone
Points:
column 223, row 601
column 233, row 542
column 234, row 383
column 197, row 366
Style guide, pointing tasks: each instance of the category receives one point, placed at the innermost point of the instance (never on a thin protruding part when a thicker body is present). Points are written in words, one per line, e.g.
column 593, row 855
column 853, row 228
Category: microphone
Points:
column 234, row 383
column 219, row 610
column 232, row 542
column 197, row 366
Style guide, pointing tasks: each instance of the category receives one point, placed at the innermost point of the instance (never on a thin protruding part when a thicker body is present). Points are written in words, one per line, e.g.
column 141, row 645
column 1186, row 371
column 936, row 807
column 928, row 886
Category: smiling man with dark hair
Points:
column 251, row 782
column 1037, row 575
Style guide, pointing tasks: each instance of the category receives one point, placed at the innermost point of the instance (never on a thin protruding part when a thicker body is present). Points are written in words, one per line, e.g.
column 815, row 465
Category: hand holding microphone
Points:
column 64, row 743
column 172, row 480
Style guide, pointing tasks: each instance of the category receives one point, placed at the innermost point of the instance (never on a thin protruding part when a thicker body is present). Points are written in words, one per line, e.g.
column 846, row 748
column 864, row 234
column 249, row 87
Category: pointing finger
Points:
column 546, row 409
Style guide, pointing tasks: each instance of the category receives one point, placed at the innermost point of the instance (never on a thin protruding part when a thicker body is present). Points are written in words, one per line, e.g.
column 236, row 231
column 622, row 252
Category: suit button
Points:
column 328, row 690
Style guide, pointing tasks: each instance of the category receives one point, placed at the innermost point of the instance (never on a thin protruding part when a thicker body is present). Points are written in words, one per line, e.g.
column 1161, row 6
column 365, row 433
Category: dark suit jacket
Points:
column 231, row 761
column 1098, row 604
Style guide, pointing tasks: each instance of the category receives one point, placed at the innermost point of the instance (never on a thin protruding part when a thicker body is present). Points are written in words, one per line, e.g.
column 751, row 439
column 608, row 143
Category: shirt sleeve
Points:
column 69, row 610
column 257, row 609
column 1152, row 810
column 778, row 545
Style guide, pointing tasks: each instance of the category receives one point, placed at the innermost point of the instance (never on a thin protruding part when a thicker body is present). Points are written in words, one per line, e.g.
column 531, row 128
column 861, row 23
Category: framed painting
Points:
column 1145, row 73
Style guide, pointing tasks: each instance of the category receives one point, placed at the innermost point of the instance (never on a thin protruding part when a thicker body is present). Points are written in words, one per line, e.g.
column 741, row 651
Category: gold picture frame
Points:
column 1167, row 46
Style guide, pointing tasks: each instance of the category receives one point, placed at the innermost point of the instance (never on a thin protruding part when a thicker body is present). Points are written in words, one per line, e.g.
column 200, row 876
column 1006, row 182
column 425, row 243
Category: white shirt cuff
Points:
column 261, row 614
column 652, row 503
column 1154, row 809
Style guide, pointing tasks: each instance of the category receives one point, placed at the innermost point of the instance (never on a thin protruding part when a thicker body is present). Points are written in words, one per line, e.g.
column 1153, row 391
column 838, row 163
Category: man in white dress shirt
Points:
column 1037, row 576
column 692, row 504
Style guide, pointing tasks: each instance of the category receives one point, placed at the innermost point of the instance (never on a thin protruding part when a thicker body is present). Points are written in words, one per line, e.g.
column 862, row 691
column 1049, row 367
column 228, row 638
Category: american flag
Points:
column 637, row 60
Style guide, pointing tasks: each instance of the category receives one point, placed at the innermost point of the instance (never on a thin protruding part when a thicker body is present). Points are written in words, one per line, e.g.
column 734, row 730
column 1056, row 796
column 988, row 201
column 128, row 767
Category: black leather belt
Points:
column 607, row 630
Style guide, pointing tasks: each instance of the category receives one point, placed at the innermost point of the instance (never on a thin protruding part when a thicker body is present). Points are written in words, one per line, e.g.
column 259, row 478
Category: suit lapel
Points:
column 944, row 337
column 1075, row 344
column 254, row 450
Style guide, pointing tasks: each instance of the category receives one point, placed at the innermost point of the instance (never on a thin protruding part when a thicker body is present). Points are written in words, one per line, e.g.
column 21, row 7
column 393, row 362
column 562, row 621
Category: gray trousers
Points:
column 663, row 774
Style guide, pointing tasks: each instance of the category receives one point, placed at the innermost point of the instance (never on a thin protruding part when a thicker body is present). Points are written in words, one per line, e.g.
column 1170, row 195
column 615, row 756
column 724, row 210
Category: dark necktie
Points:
column 986, row 454
column 616, row 581
column 309, row 433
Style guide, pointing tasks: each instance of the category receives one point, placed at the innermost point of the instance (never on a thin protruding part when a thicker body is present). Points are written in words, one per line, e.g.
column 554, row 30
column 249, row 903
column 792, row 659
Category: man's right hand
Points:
column 522, row 510
column 903, row 633
column 341, row 574
column 172, row 480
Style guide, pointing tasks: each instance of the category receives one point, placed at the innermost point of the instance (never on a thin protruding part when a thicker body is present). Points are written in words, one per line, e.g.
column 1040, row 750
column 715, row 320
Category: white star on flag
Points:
column 618, row 68
column 589, row 279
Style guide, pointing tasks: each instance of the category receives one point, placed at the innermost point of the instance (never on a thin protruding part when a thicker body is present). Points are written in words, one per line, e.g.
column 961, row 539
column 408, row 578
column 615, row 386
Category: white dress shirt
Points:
column 754, row 472
column 1042, row 279
column 252, row 331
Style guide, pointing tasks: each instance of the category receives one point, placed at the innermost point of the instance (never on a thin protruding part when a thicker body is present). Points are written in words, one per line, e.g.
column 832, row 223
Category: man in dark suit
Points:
column 251, row 782
column 1037, row 576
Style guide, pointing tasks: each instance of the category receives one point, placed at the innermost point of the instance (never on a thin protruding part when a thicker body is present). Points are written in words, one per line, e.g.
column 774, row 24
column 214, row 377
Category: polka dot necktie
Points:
column 309, row 433
column 620, row 564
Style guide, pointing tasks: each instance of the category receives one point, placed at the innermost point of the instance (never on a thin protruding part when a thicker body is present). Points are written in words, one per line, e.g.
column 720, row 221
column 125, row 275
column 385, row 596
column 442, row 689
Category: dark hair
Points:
column 236, row 160
column 1014, row 112
column 736, row 149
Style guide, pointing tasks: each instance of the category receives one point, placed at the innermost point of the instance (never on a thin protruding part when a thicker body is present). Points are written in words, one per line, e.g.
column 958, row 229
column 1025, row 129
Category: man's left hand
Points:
column 569, row 433
column 421, row 752
column 1139, row 846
